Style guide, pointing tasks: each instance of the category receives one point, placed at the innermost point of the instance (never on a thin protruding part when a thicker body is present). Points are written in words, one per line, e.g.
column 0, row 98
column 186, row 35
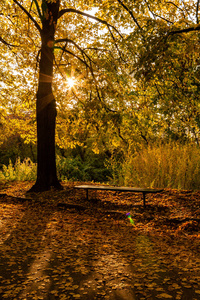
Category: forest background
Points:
column 132, row 115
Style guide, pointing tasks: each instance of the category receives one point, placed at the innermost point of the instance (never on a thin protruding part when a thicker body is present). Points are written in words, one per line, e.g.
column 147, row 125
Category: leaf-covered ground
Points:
column 57, row 245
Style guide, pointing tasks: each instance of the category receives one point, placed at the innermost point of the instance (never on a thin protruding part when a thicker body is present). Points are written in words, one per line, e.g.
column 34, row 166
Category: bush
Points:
column 20, row 171
column 14, row 147
column 73, row 168
column 70, row 168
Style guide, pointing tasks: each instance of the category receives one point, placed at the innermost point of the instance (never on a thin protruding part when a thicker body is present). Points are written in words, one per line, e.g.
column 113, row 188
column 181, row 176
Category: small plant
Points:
column 20, row 171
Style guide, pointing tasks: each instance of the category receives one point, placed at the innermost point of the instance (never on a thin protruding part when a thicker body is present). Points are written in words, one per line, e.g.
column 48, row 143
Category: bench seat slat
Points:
column 118, row 188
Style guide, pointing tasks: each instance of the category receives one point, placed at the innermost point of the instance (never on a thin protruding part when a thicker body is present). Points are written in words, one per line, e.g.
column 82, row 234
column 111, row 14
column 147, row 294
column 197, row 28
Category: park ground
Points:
column 58, row 245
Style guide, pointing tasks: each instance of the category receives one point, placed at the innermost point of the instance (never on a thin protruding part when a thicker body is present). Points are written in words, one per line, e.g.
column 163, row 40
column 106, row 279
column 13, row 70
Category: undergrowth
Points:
column 20, row 171
column 72, row 168
column 171, row 165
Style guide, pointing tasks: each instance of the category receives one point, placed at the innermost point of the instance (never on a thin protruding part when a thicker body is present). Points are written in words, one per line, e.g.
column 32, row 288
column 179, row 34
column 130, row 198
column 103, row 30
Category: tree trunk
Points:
column 46, row 106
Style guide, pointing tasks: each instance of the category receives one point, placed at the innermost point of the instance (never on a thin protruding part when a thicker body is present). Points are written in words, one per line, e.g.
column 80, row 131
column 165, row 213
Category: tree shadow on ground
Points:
column 55, row 253
column 22, row 245
column 49, row 252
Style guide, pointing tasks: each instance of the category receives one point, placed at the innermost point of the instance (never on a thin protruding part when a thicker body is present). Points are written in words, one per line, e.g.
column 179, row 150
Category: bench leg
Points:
column 86, row 194
column 144, row 199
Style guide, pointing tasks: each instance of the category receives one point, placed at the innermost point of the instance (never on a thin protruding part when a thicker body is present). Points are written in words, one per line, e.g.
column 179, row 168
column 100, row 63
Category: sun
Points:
column 71, row 82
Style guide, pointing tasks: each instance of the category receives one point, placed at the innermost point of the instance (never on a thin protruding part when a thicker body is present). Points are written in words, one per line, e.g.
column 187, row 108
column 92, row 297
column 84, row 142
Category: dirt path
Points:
column 51, row 250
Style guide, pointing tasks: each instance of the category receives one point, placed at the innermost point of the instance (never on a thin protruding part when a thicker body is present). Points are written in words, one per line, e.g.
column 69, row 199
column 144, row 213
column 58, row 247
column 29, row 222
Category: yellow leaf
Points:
column 164, row 296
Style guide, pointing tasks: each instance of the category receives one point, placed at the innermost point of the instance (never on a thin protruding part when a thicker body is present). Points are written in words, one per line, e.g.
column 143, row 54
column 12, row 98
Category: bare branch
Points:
column 130, row 12
column 186, row 10
column 116, row 44
column 68, row 10
column 97, row 49
column 166, row 20
column 29, row 15
column 8, row 17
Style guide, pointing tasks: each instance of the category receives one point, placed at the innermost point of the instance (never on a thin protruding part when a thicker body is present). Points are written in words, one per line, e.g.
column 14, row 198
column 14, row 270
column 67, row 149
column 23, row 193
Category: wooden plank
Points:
column 118, row 188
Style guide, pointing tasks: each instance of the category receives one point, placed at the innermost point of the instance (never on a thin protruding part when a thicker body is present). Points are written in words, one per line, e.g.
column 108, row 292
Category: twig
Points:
column 131, row 14
column 29, row 15
column 68, row 10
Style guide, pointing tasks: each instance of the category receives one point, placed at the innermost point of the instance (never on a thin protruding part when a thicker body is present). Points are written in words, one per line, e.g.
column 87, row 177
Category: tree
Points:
column 45, row 19
column 165, row 44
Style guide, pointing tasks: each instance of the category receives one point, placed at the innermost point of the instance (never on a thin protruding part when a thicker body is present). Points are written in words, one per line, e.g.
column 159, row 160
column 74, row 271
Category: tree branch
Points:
column 68, row 10
column 115, row 44
column 130, row 12
column 176, row 7
column 29, row 15
column 186, row 10
column 77, row 46
column 168, row 21
column 6, row 43
column 194, row 28
column 71, row 53
column 97, row 49
column 8, row 17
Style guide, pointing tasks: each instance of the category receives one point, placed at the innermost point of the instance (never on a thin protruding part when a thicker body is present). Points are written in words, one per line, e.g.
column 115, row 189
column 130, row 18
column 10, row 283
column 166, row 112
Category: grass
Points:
column 170, row 165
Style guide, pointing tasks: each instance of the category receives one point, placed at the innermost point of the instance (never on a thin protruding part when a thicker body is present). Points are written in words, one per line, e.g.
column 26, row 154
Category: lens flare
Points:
column 71, row 82
column 130, row 219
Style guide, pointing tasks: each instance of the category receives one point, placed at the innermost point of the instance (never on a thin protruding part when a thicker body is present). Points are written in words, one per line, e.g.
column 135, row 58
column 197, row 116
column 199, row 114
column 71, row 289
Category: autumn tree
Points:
column 164, row 43
column 42, row 20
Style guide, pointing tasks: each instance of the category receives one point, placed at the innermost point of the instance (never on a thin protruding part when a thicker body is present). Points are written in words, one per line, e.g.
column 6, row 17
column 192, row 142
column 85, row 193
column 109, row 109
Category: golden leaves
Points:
column 72, row 255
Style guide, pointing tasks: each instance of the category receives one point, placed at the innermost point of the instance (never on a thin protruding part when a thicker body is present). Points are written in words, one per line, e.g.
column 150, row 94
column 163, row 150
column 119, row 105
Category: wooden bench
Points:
column 119, row 189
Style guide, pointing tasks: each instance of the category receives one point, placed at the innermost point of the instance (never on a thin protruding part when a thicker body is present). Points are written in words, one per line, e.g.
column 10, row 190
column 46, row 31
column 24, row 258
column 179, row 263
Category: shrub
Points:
column 74, row 168
column 70, row 168
column 20, row 171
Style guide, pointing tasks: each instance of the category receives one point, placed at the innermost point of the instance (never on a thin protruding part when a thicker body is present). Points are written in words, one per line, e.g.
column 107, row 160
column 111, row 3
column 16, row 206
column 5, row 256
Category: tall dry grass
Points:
column 172, row 165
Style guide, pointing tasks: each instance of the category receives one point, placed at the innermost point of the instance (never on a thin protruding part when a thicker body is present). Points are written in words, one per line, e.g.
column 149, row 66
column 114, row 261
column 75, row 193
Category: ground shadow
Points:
column 57, row 252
